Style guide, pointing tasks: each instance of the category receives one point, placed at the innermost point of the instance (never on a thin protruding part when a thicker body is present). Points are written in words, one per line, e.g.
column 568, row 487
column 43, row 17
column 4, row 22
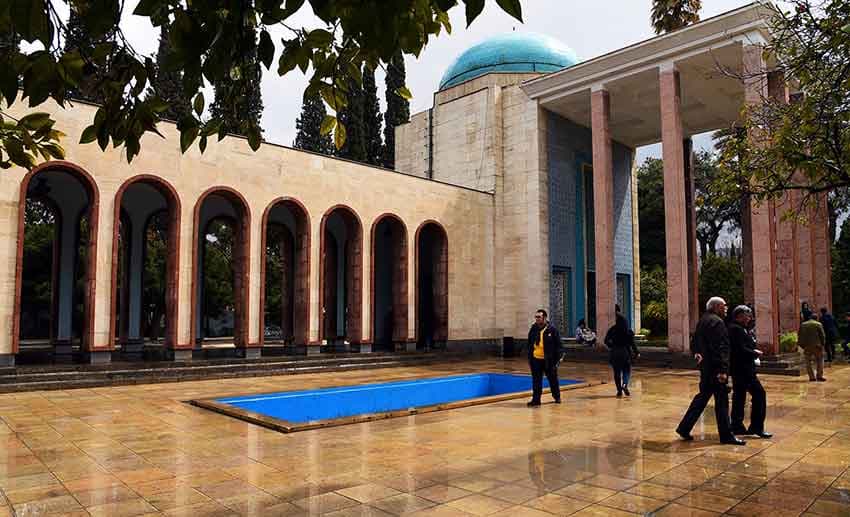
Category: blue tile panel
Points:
column 569, row 150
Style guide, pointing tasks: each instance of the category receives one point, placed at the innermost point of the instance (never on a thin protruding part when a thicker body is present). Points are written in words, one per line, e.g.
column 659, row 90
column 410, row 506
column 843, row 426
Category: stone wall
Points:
column 317, row 182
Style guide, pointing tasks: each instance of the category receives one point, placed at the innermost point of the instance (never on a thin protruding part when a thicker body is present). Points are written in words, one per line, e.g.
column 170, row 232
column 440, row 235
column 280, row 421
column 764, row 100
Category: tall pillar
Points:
column 691, row 226
column 603, row 209
column 64, row 282
column 135, row 269
column 821, row 260
column 675, row 213
column 761, row 217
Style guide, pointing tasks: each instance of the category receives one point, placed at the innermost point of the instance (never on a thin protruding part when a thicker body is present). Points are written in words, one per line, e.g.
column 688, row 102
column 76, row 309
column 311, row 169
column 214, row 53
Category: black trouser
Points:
column 830, row 348
column 741, row 385
column 709, row 387
column 538, row 368
column 622, row 375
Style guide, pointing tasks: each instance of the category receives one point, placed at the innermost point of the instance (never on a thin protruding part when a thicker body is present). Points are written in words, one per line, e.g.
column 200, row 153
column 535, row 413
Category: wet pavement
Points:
column 141, row 450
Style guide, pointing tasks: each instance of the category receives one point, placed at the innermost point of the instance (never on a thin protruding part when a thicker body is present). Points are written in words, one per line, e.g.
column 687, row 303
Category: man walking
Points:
column 812, row 339
column 711, row 350
column 544, row 347
column 743, row 355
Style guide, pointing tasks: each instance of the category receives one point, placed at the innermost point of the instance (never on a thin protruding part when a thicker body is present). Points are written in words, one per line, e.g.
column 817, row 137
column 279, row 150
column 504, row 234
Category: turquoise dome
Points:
column 511, row 52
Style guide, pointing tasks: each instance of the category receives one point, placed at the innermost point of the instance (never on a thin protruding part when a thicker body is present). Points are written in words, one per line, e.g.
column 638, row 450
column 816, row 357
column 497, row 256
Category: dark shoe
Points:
column 557, row 401
column 619, row 394
column 626, row 391
column 812, row 379
column 533, row 403
column 821, row 379
column 733, row 441
column 764, row 435
column 685, row 436
column 740, row 429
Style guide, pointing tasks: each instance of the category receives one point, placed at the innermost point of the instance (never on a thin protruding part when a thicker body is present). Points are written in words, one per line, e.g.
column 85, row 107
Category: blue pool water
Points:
column 331, row 403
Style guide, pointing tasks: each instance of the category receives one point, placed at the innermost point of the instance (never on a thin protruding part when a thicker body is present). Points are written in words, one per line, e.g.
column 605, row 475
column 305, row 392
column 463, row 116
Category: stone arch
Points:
column 432, row 284
column 341, row 310
column 388, row 286
column 173, row 209
column 299, row 311
column 91, row 211
column 241, row 262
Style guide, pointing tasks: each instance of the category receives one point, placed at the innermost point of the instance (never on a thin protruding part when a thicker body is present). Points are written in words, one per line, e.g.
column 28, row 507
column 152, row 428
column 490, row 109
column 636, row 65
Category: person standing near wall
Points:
column 711, row 350
column 831, row 330
column 620, row 341
column 544, row 350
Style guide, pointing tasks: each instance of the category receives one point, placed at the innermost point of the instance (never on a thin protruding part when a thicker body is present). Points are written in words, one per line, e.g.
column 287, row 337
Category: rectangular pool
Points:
column 305, row 409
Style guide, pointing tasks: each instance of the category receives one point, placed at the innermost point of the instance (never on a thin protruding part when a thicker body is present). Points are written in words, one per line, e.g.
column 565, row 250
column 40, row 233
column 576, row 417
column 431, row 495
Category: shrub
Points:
column 644, row 332
column 788, row 343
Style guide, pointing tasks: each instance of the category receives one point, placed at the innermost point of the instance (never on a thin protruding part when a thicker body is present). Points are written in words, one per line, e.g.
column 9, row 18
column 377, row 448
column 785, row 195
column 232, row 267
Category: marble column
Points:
column 762, row 220
column 603, row 209
column 676, row 213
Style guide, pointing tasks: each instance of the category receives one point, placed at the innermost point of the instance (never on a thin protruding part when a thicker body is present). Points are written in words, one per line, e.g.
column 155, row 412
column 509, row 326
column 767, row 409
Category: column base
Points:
column 365, row 348
column 7, row 360
column 182, row 355
column 250, row 353
column 314, row 349
column 410, row 346
column 98, row 357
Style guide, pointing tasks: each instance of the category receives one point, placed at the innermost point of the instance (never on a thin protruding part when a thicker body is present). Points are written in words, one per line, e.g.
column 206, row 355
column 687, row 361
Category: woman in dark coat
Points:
column 620, row 340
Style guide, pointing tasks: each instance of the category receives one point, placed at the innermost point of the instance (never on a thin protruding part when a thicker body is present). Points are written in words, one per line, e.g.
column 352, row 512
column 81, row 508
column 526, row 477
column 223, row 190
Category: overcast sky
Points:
column 590, row 28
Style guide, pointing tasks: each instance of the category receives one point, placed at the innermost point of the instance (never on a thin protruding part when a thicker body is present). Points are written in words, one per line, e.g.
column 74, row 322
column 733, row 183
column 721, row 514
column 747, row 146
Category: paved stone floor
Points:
column 141, row 450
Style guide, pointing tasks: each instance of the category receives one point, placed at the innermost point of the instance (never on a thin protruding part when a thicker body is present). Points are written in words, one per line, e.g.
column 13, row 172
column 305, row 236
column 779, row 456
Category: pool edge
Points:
column 286, row 426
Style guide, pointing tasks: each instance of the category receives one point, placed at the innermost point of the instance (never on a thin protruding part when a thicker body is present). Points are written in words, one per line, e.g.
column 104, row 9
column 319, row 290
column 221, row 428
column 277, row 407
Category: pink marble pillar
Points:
column 805, row 282
column 675, row 213
column 762, row 219
column 821, row 260
column 603, row 210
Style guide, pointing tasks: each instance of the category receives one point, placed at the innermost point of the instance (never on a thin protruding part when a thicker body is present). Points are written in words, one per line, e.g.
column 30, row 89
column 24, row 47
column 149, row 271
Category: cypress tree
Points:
column 240, row 101
column 351, row 117
column 398, row 108
column 309, row 124
column 372, row 119
column 78, row 37
column 168, row 84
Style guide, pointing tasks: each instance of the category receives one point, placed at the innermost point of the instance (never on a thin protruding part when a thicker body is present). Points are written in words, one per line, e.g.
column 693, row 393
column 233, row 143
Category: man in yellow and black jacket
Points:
column 544, row 349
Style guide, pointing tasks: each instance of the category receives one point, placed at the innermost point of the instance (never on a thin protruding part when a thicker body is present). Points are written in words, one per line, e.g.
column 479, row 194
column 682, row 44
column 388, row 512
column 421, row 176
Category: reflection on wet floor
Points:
column 141, row 450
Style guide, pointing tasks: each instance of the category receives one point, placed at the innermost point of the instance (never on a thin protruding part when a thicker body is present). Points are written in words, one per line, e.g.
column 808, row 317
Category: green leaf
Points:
column 148, row 7
column 265, row 50
column 254, row 138
column 511, row 7
column 339, row 136
column 202, row 143
column 328, row 124
column 473, row 9
column 35, row 121
column 404, row 93
column 89, row 135
column 198, row 105
column 319, row 38
column 187, row 136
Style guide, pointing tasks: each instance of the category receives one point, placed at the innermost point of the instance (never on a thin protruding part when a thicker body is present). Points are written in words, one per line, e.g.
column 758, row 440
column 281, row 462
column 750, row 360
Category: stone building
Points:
column 516, row 190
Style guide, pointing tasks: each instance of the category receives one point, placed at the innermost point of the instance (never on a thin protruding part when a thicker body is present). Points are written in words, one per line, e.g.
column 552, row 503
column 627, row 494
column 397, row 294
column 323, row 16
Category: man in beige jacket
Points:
column 812, row 339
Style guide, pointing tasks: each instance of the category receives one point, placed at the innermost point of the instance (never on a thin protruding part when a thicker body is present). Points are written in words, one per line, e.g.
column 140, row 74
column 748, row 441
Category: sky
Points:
column 590, row 28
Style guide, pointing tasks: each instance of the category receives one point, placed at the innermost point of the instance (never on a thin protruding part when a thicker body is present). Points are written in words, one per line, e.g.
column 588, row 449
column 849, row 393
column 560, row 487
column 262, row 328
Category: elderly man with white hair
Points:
column 711, row 350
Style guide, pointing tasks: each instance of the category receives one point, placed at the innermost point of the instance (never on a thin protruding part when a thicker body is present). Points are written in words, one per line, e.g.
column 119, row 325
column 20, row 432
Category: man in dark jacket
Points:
column 743, row 355
column 831, row 329
column 544, row 348
column 711, row 350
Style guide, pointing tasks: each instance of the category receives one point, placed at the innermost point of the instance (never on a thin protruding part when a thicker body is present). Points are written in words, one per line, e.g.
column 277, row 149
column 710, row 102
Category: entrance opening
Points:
column 432, row 300
column 286, row 274
column 145, row 271
column 222, row 263
column 389, row 281
column 341, row 279
column 56, row 258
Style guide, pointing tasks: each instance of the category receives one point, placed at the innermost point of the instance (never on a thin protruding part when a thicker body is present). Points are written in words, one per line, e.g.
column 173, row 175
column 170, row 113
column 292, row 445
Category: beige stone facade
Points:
column 315, row 181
